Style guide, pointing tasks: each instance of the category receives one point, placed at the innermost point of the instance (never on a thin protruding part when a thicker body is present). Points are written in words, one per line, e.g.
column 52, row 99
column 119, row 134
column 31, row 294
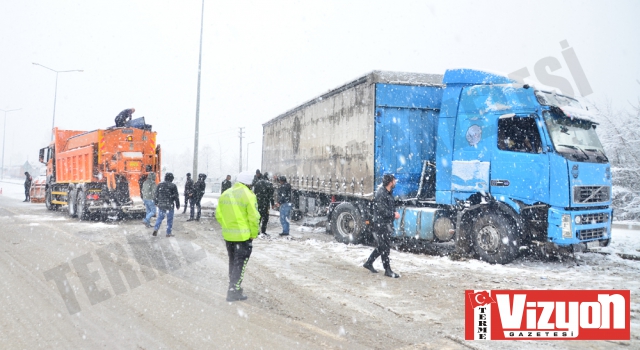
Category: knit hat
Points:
column 245, row 177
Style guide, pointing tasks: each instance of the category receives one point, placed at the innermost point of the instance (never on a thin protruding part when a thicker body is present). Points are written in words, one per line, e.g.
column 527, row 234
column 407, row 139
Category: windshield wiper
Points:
column 602, row 157
column 576, row 148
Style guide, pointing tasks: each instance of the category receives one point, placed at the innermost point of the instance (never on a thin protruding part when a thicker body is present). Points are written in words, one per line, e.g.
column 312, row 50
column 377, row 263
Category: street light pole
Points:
column 55, row 95
column 248, row 154
column 195, row 141
column 4, row 134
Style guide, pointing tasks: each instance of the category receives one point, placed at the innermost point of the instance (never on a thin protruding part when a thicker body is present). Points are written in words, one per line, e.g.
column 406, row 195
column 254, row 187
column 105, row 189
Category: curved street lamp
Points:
column 55, row 96
column 4, row 133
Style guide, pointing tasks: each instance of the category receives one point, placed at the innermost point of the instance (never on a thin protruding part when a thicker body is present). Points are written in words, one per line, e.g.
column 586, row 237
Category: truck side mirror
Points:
column 41, row 156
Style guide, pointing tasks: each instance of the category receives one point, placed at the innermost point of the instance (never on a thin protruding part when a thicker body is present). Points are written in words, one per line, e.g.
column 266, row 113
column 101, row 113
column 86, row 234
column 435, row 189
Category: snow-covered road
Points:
column 304, row 292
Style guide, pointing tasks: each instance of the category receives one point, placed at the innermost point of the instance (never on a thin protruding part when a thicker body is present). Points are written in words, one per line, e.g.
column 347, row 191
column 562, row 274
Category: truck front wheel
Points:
column 346, row 223
column 47, row 199
column 495, row 237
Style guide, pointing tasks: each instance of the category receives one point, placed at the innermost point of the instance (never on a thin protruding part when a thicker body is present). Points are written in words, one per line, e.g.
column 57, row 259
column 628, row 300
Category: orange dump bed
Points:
column 105, row 155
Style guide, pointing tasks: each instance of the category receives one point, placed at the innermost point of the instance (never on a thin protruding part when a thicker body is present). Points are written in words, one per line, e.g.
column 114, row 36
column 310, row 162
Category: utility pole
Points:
column 195, row 142
column 240, row 134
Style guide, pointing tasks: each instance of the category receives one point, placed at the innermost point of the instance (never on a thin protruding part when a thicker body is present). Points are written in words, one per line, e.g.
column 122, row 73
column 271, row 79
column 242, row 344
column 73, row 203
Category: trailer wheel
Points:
column 72, row 203
column 494, row 238
column 346, row 223
column 81, row 202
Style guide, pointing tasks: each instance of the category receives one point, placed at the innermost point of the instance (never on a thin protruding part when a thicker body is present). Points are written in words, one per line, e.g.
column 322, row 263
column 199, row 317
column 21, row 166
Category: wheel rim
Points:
column 346, row 225
column 489, row 239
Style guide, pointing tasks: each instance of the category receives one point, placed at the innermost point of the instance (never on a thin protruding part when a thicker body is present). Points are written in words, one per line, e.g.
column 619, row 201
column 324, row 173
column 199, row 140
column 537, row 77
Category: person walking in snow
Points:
column 384, row 212
column 27, row 186
column 198, row 192
column 226, row 184
column 188, row 193
column 238, row 216
column 284, row 204
column 264, row 192
column 124, row 116
column 148, row 193
column 165, row 197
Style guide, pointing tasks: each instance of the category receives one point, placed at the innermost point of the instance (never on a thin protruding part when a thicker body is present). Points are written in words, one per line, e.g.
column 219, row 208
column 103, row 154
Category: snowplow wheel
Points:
column 346, row 223
column 72, row 204
column 494, row 238
column 48, row 198
column 81, row 202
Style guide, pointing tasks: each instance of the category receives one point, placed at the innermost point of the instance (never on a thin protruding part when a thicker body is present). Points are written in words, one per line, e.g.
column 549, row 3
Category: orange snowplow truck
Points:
column 98, row 174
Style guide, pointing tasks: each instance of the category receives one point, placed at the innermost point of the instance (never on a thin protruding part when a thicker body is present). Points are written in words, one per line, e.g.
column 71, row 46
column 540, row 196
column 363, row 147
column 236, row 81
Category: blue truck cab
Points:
column 524, row 165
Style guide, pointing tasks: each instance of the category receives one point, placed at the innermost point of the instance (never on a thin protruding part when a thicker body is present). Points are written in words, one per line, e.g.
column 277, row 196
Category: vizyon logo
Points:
column 547, row 314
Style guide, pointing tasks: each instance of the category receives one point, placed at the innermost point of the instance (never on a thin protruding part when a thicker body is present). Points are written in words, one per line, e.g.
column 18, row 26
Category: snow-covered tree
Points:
column 619, row 131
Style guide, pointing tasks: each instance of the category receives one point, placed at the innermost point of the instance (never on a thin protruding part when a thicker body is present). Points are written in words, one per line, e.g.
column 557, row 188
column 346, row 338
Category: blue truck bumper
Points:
column 568, row 227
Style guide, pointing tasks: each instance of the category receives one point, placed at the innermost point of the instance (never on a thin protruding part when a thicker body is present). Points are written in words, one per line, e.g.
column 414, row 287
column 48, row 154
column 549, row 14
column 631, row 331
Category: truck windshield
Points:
column 574, row 138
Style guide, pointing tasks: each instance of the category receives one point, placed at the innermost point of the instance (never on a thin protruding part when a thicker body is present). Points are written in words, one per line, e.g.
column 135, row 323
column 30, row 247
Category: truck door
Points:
column 519, row 167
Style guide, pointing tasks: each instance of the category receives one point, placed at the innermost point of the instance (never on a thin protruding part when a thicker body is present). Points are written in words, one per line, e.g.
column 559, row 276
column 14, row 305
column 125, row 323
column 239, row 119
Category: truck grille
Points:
column 592, row 233
column 591, row 194
column 596, row 218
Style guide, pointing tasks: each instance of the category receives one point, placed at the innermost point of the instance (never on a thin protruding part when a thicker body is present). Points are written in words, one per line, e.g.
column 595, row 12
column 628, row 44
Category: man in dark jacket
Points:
column 384, row 212
column 166, row 195
column 124, row 116
column 198, row 192
column 264, row 192
column 27, row 187
column 226, row 184
column 257, row 177
column 284, row 203
column 188, row 193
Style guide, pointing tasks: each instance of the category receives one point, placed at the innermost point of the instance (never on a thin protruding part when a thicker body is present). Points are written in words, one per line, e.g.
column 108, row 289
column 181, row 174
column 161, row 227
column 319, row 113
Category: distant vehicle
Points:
column 100, row 173
column 495, row 165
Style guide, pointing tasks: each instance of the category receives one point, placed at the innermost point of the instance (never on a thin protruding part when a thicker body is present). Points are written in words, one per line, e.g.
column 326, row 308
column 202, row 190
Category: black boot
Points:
column 389, row 273
column 369, row 266
column 235, row 295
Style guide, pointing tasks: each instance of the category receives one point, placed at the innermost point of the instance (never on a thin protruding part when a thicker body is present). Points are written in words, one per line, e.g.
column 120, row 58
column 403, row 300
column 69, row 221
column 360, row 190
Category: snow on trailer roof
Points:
column 376, row 76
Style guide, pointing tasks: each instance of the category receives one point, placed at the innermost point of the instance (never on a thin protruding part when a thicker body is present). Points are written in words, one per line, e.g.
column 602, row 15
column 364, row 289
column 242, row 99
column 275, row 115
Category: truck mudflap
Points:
column 579, row 226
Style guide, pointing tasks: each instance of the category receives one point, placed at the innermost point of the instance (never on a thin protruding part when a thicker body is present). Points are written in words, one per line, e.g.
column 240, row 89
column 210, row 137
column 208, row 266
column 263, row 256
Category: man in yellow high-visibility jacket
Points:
column 237, row 213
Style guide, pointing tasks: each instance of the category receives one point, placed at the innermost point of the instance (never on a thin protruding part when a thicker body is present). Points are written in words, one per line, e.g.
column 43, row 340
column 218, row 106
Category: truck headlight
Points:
column 578, row 219
column 566, row 226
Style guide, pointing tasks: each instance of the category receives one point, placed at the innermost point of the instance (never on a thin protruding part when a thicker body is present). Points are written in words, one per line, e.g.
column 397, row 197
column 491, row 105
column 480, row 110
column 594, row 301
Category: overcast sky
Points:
column 262, row 58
